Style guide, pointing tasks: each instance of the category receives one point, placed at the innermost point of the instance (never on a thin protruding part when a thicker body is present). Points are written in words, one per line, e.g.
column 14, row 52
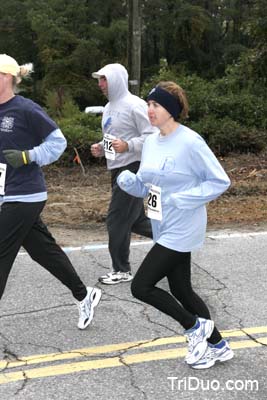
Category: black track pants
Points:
column 21, row 225
column 125, row 215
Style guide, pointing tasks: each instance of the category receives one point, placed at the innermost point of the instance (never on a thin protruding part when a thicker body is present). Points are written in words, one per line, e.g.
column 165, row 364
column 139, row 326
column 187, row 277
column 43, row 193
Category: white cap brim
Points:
column 96, row 75
column 100, row 72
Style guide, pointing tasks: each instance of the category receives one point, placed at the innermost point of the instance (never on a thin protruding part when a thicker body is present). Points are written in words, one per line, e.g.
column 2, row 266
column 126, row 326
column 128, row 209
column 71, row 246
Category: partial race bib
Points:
column 154, row 210
column 108, row 148
column 2, row 178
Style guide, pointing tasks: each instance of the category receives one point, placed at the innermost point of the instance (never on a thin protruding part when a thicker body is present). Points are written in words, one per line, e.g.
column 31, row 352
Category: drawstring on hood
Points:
column 117, row 78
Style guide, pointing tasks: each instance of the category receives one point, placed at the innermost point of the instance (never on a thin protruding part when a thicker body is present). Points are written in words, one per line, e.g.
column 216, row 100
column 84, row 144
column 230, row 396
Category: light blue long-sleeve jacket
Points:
column 189, row 176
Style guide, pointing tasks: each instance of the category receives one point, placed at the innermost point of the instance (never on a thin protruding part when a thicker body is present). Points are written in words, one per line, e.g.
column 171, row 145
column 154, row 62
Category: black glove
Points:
column 17, row 158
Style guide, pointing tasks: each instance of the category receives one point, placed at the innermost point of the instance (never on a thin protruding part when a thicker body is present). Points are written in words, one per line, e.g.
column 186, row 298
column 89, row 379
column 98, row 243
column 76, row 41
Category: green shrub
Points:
column 226, row 136
column 81, row 131
column 231, row 119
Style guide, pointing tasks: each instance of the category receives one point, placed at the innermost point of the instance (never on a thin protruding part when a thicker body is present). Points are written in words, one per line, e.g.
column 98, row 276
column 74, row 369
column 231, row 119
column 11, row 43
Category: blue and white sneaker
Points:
column 87, row 305
column 197, row 339
column 215, row 352
column 113, row 278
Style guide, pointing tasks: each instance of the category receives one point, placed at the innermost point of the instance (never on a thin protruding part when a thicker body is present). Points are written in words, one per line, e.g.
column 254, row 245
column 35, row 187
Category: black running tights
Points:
column 182, row 304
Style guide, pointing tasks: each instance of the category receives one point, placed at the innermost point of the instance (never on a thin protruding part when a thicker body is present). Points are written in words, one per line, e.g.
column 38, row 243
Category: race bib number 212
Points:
column 108, row 148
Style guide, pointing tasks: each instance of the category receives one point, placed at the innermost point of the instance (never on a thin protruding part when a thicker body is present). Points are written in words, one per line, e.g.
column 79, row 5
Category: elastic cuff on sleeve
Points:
column 130, row 146
column 32, row 155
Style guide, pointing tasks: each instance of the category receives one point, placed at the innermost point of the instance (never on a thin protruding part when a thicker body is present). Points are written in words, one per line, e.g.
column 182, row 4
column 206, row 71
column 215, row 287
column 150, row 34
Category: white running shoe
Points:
column 87, row 305
column 219, row 352
column 106, row 276
column 112, row 278
column 197, row 340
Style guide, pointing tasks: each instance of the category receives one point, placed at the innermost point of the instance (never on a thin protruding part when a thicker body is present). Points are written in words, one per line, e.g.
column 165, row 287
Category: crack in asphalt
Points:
column 36, row 311
column 223, row 286
column 134, row 385
column 10, row 356
column 23, row 384
column 144, row 306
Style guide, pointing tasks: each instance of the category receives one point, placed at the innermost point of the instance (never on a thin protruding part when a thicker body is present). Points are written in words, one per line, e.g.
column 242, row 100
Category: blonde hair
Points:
column 177, row 92
column 24, row 71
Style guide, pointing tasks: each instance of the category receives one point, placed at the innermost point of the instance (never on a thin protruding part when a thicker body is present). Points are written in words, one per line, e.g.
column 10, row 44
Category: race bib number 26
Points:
column 154, row 210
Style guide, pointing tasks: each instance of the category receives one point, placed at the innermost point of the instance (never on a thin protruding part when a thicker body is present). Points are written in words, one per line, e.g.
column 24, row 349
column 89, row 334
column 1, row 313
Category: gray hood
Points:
column 117, row 78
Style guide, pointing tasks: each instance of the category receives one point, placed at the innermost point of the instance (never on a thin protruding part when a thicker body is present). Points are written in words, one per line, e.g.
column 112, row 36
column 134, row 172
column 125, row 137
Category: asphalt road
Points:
column 131, row 351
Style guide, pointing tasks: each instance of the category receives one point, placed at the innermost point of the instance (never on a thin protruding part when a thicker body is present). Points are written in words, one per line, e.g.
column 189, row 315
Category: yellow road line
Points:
column 110, row 348
column 65, row 369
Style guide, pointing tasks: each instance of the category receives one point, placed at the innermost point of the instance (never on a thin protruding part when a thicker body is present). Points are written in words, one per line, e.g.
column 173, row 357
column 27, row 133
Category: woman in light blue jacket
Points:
column 178, row 174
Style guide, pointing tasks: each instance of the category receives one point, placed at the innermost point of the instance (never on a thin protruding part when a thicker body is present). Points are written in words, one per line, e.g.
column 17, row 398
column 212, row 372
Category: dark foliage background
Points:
column 215, row 49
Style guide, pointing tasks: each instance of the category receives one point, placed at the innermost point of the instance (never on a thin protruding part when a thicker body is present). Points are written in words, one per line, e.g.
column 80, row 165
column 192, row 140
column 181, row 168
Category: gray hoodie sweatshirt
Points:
column 124, row 117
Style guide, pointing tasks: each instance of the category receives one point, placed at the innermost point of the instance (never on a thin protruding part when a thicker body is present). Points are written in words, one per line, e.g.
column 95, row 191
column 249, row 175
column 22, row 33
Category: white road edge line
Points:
column 236, row 235
column 100, row 246
column 93, row 247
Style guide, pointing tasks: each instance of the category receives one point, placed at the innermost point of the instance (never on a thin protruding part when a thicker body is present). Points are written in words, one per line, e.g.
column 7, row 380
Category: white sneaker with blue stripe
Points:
column 112, row 278
column 219, row 352
column 87, row 305
column 197, row 339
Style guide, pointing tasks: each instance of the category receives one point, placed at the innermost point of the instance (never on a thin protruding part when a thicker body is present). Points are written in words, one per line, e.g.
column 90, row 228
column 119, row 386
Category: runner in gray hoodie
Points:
column 125, row 126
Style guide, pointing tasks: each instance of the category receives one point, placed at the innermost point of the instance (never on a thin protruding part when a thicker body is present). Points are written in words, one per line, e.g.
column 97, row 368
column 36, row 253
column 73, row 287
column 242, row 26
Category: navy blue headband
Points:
column 166, row 100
